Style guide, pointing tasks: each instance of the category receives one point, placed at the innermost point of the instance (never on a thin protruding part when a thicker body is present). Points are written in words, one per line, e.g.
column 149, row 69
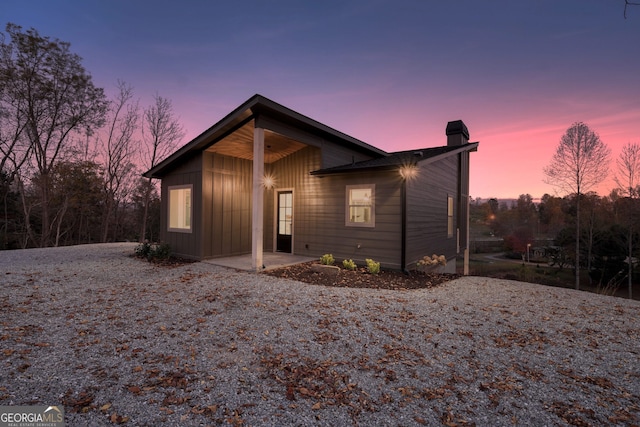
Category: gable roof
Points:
column 399, row 158
column 247, row 111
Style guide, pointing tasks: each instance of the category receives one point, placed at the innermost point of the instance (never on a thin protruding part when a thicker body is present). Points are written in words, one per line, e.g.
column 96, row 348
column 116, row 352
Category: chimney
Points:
column 457, row 133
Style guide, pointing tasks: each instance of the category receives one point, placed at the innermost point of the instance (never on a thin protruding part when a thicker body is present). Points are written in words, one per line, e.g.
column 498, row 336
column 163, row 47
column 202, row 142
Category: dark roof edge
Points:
column 345, row 169
column 256, row 104
column 201, row 138
column 314, row 123
column 471, row 147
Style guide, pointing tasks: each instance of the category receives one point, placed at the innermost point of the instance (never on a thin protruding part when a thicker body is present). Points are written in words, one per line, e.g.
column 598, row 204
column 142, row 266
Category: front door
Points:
column 284, row 226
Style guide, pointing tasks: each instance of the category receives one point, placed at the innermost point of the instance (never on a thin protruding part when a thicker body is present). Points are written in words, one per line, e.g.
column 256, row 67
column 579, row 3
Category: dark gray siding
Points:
column 334, row 154
column 292, row 173
column 326, row 231
column 427, row 210
column 184, row 244
column 463, row 202
column 222, row 200
column 226, row 200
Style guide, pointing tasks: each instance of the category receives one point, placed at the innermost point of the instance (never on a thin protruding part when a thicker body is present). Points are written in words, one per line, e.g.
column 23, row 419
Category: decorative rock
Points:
column 331, row 270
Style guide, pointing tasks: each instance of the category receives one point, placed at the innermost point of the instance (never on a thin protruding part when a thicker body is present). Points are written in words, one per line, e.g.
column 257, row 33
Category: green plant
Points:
column 142, row 250
column 153, row 251
column 327, row 259
column 349, row 264
column 372, row 266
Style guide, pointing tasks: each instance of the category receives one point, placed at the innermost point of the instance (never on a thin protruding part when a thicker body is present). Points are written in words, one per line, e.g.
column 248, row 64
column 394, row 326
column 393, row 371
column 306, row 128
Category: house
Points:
column 266, row 178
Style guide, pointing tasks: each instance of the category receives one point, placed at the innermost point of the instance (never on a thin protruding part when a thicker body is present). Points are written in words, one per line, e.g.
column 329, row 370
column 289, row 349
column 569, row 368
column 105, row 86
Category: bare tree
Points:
column 161, row 132
column 628, row 170
column 52, row 96
column 580, row 162
column 15, row 149
column 629, row 3
column 14, row 145
column 628, row 179
column 117, row 150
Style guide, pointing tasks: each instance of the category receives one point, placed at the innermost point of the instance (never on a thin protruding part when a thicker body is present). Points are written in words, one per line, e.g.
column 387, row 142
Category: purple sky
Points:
column 391, row 73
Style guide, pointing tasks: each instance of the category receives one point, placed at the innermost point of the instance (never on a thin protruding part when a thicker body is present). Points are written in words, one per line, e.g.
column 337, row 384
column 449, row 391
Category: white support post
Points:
column 465, row 266
column 257, row 214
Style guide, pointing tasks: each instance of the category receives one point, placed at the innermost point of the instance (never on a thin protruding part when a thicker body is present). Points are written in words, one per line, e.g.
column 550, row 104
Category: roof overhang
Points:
column 394, row 161
column 233, row 135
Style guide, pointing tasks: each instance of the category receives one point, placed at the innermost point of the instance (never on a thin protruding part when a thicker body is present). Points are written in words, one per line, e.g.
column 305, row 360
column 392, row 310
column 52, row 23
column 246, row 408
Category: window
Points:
column 449, row 216
column 180, row 208
column 360, row 206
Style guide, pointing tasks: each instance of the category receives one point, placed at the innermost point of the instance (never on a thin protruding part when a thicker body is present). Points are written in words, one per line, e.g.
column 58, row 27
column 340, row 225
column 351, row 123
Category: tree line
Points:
column 70, row 157
column 597, row 233
column 581, row 230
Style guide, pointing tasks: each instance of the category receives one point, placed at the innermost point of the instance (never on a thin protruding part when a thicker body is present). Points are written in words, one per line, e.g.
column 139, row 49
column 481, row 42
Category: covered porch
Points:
column 261, row 148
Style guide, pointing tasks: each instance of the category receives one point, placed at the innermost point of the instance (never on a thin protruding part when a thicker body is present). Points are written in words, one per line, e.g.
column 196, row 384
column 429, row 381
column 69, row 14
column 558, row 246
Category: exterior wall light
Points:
column 268, row 181
column 408, row 171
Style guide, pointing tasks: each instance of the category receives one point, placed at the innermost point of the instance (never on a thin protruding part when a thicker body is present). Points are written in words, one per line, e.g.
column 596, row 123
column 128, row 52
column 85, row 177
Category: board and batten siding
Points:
column 292, row 173
column 188, row 245
column 226, row 205
column 328, row 232
column 427, row 211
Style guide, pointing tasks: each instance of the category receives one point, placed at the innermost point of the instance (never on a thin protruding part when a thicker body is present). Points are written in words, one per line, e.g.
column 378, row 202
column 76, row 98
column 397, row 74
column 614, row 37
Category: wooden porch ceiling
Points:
column 240, row 144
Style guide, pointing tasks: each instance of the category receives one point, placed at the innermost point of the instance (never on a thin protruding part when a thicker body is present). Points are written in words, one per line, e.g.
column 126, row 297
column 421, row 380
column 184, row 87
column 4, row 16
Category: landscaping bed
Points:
column 360, row 277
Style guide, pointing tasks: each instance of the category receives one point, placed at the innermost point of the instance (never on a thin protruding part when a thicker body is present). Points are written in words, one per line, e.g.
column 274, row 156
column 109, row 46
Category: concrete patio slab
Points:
column 271, row 260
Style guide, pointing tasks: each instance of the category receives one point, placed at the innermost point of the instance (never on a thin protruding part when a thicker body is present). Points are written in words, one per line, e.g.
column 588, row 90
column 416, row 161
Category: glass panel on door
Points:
column 285, row 221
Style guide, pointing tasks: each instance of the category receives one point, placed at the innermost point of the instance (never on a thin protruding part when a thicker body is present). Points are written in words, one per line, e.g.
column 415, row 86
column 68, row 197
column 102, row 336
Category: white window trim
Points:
column 372, row 221
column 179, row 187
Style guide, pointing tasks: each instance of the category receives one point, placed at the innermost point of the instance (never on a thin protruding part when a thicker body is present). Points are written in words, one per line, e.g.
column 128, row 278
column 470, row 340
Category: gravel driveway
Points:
column 118, row 340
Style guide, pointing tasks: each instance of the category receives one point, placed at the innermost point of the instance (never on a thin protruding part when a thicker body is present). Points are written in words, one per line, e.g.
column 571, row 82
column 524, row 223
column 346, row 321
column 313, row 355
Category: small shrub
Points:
column 372, row 266
column 161, row 251
column 327, row 259
column 349, row 264
column 142, row 250
column 153, row 251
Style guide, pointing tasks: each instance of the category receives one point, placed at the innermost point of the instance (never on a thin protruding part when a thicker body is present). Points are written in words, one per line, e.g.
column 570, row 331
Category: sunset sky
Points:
column 390, row 73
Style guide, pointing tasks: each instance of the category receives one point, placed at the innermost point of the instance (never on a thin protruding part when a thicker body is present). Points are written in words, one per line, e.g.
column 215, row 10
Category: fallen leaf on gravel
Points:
column 569, row 413
column 304, row 391
column 118, row 419
column 83, row 402
column 457, row 422
column 134, row 389
column 290, row 393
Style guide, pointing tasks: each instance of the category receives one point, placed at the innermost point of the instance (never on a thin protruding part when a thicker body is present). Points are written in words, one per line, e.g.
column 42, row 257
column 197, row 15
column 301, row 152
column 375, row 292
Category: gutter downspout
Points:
column 403, row 219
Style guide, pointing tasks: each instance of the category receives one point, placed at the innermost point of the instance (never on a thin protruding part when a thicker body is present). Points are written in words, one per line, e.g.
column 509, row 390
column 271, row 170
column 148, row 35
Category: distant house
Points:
column 266, row 178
